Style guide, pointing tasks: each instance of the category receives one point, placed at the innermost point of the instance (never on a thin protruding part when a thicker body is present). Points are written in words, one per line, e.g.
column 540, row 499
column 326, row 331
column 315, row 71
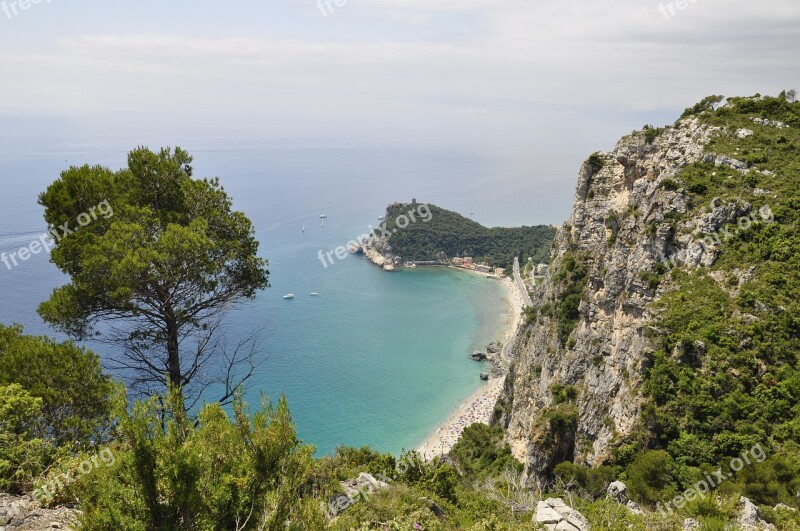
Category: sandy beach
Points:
column 477, row 407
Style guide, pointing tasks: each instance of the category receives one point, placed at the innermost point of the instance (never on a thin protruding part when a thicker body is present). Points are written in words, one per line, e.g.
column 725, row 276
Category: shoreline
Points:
column 478, row 406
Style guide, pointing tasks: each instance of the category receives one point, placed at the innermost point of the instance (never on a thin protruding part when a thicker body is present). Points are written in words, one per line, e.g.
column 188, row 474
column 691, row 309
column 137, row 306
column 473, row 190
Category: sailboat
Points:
column 304, row 228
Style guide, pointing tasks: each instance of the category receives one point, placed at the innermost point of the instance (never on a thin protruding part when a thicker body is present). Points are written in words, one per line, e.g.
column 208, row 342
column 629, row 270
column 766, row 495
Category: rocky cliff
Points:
column 575, row 386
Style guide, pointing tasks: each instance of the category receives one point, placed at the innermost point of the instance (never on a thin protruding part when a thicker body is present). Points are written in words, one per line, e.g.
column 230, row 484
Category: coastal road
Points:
column 518, row 278
column 505, row 353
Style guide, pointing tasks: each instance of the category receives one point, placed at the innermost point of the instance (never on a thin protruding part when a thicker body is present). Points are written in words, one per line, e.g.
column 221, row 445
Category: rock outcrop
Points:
column 618, row 492
column 555, row 515
column 750, row 517
column 622, row 233
column 379, row 252
column 21, row 513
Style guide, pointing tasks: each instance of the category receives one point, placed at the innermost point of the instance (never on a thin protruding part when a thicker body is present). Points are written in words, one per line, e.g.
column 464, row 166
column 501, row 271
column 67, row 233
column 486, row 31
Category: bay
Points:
column 377, row 358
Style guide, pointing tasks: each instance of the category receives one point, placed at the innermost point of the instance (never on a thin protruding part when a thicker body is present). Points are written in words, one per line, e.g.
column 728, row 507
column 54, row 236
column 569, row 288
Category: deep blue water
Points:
column 377, row 358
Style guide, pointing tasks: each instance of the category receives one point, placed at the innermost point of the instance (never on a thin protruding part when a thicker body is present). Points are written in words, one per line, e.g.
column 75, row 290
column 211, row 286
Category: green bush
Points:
column 23, row 449
column 249, row 472
column 670, row 184
column 706, row 104
column 774, row 481
column 563, row 393
column 571, row 277
column 483, row 453
column 591, row 482
column 651, row 133
column 77, row 398
column 653, row 477
column 596, row 162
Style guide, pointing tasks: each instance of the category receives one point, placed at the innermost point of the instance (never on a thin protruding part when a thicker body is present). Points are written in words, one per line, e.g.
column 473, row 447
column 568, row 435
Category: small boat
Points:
column 314, row 294
column 323, row 216
column 304, row 228
column 381, row 218
column 289, row 296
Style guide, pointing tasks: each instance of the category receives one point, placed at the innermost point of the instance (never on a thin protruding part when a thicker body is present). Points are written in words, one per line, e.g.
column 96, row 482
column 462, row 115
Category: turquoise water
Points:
column 378, row 358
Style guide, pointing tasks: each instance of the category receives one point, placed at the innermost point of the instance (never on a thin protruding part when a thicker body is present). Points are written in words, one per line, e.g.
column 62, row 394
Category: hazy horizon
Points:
column 538, row 86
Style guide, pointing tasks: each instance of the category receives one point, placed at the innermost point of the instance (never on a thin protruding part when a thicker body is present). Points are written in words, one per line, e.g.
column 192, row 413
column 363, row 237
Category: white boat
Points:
column 289, row 296
column 381, row 218
column 323, row 216
column 314, row 294
column 304, row 228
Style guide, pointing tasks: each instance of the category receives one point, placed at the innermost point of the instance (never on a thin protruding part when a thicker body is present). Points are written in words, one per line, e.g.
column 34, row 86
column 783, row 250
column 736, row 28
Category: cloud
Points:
column 432, row 79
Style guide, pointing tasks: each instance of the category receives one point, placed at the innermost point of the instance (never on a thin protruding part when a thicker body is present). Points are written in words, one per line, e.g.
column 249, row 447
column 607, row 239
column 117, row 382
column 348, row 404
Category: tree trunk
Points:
column 173, row 357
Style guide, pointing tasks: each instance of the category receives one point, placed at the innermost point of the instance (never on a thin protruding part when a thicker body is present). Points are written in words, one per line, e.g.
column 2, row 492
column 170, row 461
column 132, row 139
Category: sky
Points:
column 542, row 82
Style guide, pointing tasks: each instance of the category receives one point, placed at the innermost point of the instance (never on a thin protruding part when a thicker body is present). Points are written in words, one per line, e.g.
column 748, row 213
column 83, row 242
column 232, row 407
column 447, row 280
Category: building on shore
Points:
column 462, row 262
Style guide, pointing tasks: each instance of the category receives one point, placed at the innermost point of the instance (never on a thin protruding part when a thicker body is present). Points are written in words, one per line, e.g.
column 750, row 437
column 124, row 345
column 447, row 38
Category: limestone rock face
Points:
column 622, row 225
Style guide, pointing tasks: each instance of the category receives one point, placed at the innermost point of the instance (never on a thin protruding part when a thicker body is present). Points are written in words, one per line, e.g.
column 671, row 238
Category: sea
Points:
column 377, row 358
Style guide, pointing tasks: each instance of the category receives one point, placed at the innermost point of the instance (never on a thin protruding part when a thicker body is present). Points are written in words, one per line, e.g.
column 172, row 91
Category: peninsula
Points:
column 446, row 238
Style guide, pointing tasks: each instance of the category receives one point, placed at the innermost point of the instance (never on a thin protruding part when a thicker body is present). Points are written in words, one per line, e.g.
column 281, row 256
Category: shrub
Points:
column 653, row 477
column 593, row 482
column 249, row 472
column 23, row 450
column 651, row 280
column 651, row 133
column 562, row 421
column 706, row 104
column 670, row 184
column 596, row 162
column 563, row 393
column 77, row 398
column 483, row 453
